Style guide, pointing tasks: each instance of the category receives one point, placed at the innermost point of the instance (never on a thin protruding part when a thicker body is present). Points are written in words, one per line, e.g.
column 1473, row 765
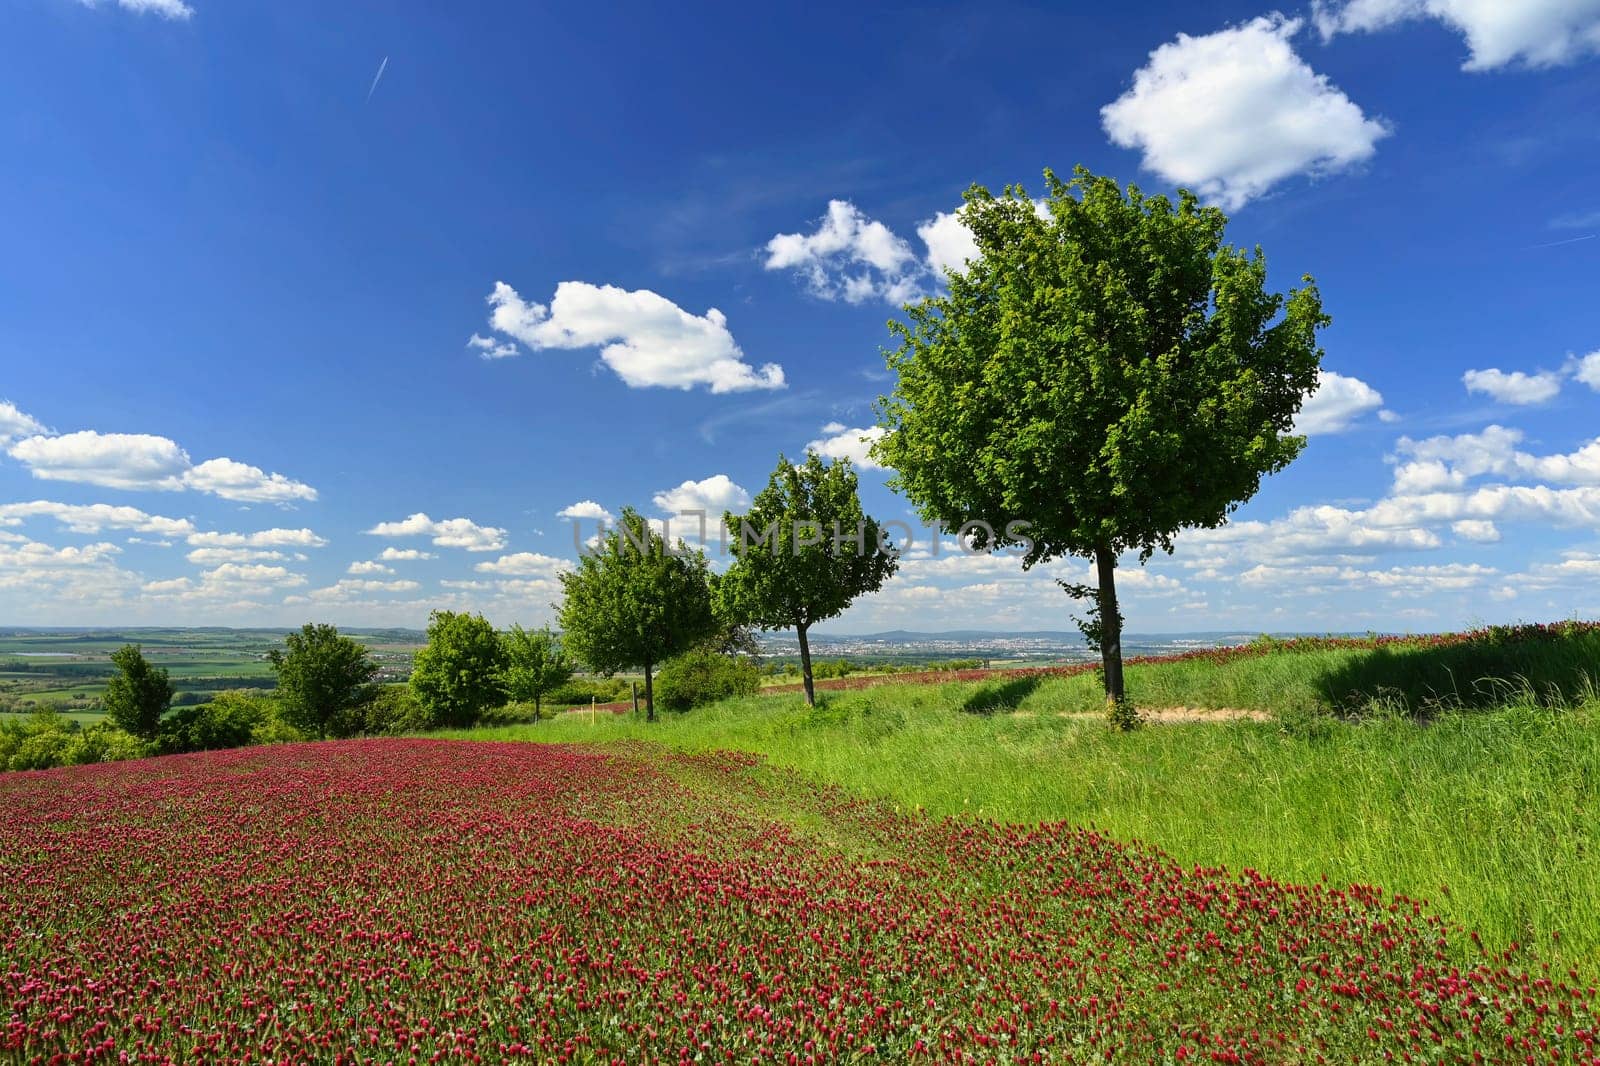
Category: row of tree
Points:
column 327, row 681
column 802, row 553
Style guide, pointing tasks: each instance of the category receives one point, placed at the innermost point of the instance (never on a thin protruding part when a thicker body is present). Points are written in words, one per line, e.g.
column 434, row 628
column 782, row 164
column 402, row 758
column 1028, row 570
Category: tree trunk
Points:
column 538, row 710
column 805, row 664
column 1110, row 636
column 649, row 696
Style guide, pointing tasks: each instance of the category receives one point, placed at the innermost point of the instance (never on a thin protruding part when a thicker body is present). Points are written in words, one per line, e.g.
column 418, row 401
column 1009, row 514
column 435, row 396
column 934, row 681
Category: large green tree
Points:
column 634, row 602
column 458, row 675
column 803, row 552
column 138, row 694
column 323, row 678
column 535, row 664
column 1107, row 371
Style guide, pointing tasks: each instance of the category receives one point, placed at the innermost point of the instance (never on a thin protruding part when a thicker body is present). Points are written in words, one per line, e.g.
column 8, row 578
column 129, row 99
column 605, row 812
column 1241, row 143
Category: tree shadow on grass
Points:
column 995, row 697
column 1422, row 680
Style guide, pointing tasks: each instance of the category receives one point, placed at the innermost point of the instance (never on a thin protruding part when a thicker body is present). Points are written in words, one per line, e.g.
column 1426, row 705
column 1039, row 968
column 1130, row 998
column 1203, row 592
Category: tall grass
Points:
column 1493, row 816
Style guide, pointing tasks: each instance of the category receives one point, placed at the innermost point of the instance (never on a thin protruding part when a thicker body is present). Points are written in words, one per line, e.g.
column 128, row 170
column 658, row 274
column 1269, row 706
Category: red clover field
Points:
column 440, row 901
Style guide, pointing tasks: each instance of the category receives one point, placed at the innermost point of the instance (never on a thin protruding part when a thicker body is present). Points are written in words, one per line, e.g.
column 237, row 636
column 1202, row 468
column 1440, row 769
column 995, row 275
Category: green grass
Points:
column 1491, row 816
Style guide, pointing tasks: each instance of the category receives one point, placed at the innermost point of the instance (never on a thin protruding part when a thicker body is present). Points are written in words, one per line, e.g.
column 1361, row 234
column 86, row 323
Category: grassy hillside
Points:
column 1493, row 816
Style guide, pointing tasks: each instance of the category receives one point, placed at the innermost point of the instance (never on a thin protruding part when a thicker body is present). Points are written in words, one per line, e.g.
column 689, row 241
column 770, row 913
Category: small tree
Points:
column 458, row 675
column 323, row 677
column 635, row 602
column 1103, row 375
column 138, row 694
column 804, row 551
column 535, row 665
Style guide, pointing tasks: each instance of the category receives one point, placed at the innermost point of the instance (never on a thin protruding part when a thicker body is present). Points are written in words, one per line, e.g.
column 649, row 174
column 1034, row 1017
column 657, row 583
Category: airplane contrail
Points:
column 377, row 78
column 1569, row 240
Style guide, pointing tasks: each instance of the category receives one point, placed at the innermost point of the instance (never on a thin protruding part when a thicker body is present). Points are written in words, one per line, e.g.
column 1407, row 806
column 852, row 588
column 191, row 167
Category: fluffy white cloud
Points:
column 94, row 517
column 139, row 461
column 713, row 495
column 1587, row 370
column 1515, row 387
column 65, row 581
column 392, row 555
column 113, row 460
column 449, row 533
column 348, row 589
column 489, row 348
column 647, row 339
column 1441, row 463
column 245, row 483
column 1536, row 33
column 218, row 556
column 585, row 509
column 16, row 423
column 524, row 564
column 851, row 257
column 1338, row 402
column 1233, row 113
column 264, row 538
column 227, row 582
column 1476, row 530
column 950, row 244
column 168, row 9
column 31, row 555
column 367, row 566
column 839, row 441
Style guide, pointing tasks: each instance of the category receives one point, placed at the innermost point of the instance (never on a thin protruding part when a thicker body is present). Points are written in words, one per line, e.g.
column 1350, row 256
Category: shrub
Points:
column 698, row 677
column 228, row 721
column 275, row 729
column 104, row 742
column 43, row 750
column 393, row 710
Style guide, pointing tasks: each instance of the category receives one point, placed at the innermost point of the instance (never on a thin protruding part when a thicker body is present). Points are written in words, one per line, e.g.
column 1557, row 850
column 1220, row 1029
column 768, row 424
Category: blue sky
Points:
column 283, row 342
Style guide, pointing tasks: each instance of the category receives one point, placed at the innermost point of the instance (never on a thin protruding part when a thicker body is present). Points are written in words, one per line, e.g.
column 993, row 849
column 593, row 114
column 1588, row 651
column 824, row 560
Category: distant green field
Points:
column 69, row 668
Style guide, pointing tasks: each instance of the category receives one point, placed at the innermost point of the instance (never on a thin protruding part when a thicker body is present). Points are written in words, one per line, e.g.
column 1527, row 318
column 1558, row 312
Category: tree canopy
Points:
column 535, row 664
column 323, row 676
column 634, row 602
column 138, row 694
column 457, row 675
column 803, row 552
column 1107, row 371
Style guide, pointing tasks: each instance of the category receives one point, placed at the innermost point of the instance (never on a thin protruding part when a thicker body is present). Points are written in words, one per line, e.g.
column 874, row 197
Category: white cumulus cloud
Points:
column 264, row 538
column 1534, row 33
column 137, row 461
column 94, row 517
column 1336, row 404
column 849, row 257
column 713, row 495
column 16, row 423
column 111, row 460
column 839, row 441
column 448, row 533
column 949, row 242
column 647, row 339
column 391, row 555
column 489, row 348
column 1514, row 387
column 1587, row 370
column 524, row 564
column 585, row 509
column 1233, row 113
